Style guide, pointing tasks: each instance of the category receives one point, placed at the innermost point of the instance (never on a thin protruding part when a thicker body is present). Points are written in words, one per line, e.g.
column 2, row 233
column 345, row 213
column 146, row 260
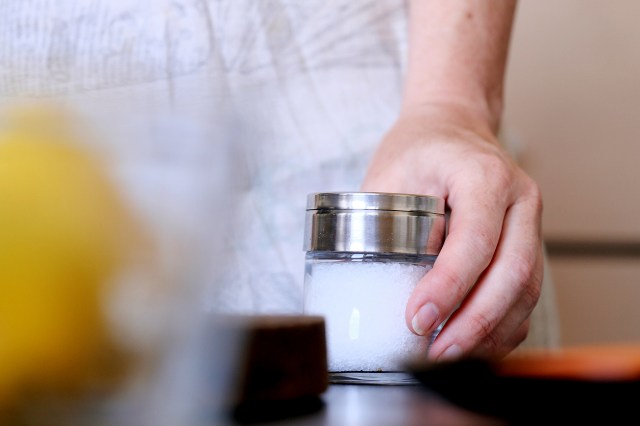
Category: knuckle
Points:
column 482, row 329
column 502, row 176
column 491, row 167
column 499, row 344
column 534, row 194
column 532, row 293
column 526, row 273
column 484, row 242
column 522, row 269
column 514, row 340
column 455, row 282
column 500, row 171
column 521, row 333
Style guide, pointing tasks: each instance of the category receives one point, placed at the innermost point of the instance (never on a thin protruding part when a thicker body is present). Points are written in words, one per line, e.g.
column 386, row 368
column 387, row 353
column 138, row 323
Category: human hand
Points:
column 491, row 265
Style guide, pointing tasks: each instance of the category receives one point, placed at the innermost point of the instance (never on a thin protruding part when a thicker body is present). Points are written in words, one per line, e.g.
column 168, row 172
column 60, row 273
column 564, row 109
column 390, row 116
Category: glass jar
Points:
column 365, row 253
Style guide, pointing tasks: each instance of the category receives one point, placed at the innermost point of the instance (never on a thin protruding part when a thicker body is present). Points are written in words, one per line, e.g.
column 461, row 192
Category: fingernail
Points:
column 425, row 319
column 451, row 353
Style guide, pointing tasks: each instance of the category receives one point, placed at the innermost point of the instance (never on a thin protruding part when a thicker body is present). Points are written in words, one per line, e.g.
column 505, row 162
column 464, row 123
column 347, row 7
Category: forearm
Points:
column 457, row 55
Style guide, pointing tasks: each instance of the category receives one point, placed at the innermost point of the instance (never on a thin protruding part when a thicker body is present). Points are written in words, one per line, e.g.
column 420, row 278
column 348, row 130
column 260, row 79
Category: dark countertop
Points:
column 384, row 405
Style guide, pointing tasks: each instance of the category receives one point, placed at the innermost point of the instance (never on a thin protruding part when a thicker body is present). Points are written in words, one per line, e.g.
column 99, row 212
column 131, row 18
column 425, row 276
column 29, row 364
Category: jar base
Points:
column 372, row 378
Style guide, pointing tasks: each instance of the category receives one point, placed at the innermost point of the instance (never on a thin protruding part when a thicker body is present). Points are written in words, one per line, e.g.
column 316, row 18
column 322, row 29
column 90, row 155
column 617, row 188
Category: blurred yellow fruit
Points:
column 64, row 235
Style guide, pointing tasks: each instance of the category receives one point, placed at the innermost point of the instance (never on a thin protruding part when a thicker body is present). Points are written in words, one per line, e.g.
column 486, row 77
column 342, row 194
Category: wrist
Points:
column 450, row 110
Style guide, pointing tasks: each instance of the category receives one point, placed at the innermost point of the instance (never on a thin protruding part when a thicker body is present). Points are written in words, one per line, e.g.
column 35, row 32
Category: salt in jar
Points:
column 365, row 253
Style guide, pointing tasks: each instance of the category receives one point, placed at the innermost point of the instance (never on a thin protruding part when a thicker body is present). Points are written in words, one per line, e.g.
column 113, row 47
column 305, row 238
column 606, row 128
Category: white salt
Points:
column 364, row 308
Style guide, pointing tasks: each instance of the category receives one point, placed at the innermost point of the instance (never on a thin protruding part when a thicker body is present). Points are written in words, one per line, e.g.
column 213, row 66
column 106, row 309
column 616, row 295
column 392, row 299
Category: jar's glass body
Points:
column 363, row 297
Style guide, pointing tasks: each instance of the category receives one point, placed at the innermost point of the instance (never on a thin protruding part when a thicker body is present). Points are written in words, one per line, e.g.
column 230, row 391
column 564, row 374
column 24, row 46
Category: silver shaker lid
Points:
column 374, row 222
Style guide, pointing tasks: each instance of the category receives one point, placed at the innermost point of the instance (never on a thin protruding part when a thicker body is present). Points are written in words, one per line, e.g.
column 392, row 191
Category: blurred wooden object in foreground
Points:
column 281, row 368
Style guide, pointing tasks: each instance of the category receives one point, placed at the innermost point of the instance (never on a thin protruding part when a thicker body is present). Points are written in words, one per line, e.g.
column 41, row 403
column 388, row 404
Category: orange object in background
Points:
column 593, row 362
column 64, row 236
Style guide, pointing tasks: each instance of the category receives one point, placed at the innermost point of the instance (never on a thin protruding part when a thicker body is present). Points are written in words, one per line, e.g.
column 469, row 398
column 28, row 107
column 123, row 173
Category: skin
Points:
column 444, row 143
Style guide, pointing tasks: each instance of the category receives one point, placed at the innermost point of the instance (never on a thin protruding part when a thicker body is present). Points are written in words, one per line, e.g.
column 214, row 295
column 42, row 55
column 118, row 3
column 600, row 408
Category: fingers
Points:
column 474, row 232
column 507, row 345
column 502, row 300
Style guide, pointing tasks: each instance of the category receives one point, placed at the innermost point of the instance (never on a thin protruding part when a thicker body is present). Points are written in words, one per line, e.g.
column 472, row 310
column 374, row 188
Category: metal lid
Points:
column 375, row 201
column 374, row 222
